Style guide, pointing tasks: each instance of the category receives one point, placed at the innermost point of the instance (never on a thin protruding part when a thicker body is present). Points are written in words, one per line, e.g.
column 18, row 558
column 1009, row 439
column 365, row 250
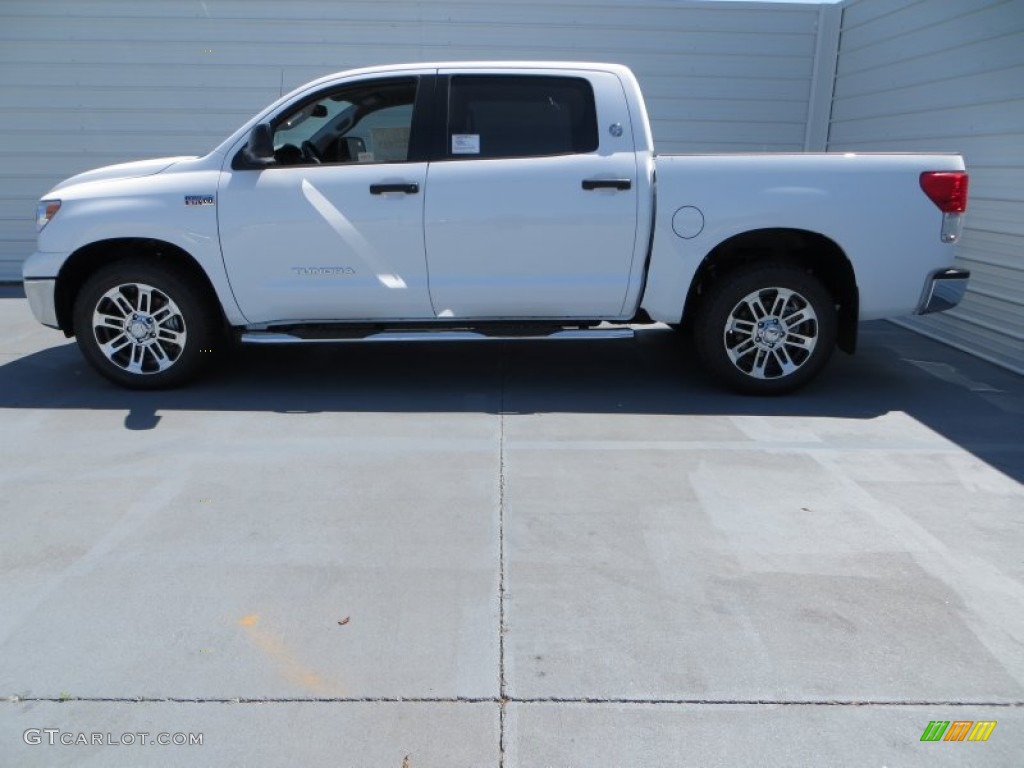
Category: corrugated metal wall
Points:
column 84, row 84
column 949, row 76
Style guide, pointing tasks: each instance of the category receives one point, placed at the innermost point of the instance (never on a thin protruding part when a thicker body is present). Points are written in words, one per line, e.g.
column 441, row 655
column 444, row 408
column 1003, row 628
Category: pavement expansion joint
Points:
column 502, row 680
column 502, row 701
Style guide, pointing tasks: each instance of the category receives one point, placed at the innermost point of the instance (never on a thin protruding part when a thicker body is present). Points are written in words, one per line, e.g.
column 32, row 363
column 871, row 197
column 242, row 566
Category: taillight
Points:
column 947, row 189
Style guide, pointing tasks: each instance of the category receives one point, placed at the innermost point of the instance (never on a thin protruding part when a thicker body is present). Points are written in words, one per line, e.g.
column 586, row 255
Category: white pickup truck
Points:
column 496, row 200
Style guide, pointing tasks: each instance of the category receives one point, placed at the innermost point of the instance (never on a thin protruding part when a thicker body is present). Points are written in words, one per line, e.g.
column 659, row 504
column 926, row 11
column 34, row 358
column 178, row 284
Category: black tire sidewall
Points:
column 723, row 297
column 199, row 323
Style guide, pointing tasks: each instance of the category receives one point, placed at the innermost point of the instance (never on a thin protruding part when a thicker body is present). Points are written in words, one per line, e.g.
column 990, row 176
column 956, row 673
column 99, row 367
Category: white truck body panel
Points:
column 871, row 206
column 310, row 244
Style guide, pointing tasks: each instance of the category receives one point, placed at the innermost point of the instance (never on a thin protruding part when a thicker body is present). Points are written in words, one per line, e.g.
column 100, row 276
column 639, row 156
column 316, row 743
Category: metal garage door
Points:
column 949, row 76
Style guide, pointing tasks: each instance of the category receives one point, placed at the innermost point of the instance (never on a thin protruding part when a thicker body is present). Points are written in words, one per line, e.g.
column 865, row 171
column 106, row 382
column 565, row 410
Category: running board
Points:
column 588, row 334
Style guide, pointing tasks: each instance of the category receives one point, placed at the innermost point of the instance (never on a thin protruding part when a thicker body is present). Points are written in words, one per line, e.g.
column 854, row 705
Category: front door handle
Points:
column 620, row 184
column 406, row 188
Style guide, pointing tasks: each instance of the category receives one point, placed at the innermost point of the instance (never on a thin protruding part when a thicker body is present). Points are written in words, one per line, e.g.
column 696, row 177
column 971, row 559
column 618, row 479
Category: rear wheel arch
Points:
column 816, row 254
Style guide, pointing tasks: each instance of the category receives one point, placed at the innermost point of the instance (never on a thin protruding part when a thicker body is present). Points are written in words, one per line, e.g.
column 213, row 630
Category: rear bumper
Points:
column 943, row 290
column 40, row 294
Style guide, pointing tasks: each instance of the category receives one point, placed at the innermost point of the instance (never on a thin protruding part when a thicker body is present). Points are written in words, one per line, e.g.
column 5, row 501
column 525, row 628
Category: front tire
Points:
column 144, row 325
column 766, row 330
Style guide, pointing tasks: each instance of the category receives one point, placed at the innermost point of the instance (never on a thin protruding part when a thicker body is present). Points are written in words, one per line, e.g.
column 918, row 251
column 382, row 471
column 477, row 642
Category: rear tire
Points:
column 766, row 330
column 144, row 325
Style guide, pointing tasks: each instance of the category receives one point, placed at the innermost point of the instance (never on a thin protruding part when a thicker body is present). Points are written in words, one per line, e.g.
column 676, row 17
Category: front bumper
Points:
column 40, row 294
column 943, row 290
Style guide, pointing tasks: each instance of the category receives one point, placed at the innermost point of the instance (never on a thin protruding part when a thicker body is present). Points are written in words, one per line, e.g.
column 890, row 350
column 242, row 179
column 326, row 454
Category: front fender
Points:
column 179, row 209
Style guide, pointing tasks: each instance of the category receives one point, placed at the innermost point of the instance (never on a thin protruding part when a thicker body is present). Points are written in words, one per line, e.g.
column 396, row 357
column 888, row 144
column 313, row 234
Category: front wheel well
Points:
column 84, row 262
column 812, row 252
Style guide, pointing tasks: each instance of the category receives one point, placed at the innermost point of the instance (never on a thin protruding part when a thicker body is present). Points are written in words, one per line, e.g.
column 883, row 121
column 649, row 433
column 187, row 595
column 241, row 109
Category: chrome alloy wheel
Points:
column 139, row 328
column 771, row 333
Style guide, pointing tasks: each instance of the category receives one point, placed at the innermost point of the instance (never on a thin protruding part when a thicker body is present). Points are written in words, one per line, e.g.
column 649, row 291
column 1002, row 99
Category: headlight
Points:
column 45, row 211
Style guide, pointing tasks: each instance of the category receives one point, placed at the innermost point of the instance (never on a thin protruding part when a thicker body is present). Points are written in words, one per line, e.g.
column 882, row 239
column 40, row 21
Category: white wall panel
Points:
column 84, row 84
column 949, row 76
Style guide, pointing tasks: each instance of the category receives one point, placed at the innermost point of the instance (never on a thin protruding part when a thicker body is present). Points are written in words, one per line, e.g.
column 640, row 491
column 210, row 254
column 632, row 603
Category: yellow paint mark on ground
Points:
column 289, row 667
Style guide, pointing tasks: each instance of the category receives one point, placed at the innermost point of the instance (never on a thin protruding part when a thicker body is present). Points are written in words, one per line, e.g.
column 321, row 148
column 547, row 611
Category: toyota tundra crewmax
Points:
column 497, row 200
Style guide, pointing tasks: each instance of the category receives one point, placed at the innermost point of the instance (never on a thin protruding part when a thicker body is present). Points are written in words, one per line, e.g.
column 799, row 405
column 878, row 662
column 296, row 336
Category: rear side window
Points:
column 520, row 116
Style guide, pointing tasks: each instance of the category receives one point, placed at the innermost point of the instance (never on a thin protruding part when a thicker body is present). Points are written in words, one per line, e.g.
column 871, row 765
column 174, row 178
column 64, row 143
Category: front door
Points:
column 532, row 212
column 333, row 228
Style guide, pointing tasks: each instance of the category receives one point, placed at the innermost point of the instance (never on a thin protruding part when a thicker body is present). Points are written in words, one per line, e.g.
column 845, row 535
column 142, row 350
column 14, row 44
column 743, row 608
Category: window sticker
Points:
column 465, row 143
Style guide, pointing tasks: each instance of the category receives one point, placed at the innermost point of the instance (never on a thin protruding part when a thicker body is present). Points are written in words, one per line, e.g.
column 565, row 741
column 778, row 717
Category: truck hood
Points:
column 122, row 171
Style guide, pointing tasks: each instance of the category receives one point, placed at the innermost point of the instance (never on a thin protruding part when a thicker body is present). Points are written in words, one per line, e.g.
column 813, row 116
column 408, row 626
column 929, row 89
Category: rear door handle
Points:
column 620, row 184
column 406, row 188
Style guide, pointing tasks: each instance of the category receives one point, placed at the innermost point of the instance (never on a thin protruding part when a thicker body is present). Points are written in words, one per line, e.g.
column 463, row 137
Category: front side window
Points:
column 520, row 116
column 364, row 123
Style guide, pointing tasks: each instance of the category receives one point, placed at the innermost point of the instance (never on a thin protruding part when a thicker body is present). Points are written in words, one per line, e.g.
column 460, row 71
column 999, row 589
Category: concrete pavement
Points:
column 509, row 555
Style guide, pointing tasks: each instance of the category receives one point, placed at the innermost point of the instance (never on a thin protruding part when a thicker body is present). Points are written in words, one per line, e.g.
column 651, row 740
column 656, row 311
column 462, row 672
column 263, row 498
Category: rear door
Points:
column 531, row 210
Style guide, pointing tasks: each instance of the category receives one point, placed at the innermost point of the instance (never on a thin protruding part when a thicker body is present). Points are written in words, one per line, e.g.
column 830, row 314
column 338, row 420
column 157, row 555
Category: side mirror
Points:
column 260, row 148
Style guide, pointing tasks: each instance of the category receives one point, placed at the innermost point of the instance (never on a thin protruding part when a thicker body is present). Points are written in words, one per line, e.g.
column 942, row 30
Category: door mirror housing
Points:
column 260, row 148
